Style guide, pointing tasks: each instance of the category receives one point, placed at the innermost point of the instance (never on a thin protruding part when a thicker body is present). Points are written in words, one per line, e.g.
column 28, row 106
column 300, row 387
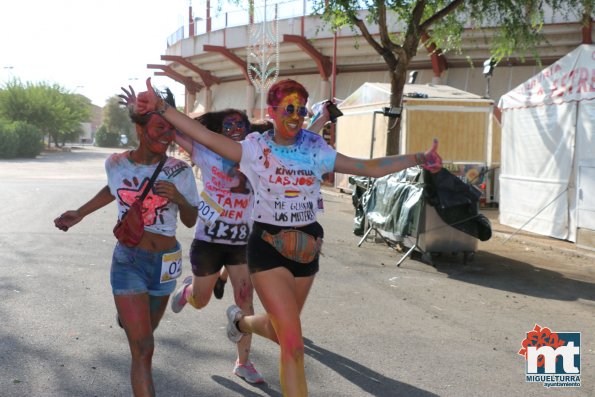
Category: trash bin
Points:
column 431, row 213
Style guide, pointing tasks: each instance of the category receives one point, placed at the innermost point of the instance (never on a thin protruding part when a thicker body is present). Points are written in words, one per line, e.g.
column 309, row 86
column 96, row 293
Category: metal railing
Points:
column 285, row 9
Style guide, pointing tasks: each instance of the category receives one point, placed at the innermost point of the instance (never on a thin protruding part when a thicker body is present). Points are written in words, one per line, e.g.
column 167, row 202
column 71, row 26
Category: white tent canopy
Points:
column 547, row 179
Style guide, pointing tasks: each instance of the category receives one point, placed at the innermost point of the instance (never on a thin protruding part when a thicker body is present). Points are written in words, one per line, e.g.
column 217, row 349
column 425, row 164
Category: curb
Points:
column 578, row 252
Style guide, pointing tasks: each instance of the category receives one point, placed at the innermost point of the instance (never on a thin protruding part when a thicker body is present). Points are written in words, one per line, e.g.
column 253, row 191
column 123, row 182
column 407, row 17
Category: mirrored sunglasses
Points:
column 238, row 125
column 302, row 111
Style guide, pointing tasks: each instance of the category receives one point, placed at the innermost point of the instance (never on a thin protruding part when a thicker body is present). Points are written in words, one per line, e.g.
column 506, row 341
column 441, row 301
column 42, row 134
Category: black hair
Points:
column 262, row 126
column 214, row 120
column 143, row 119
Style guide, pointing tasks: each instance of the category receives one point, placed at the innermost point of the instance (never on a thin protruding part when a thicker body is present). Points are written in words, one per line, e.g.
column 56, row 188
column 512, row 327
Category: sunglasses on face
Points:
column 302, row 111
column 238, row 125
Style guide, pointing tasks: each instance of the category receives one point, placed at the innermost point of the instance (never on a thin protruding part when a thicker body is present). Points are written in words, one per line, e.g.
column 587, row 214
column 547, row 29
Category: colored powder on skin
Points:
column 386, row 162
column 154, row 305
column 243, row 294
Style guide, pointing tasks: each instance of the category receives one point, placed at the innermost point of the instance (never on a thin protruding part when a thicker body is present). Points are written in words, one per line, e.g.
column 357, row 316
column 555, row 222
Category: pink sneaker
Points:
column 248, row 372
column 178, row 300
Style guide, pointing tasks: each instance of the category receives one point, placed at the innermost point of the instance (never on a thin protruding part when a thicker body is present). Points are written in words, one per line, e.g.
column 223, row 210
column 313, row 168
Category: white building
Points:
column 209, row 57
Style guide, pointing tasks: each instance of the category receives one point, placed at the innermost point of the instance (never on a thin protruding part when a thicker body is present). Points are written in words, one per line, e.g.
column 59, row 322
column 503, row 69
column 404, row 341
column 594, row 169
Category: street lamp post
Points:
column 488, row 69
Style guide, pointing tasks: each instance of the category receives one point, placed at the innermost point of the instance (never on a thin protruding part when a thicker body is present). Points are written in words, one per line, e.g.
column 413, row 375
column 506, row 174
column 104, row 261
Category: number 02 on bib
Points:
column 171, row 266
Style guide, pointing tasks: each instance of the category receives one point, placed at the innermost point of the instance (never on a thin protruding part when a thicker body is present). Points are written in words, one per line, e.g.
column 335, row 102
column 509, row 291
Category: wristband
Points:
column 420, row 158
column 162, row 107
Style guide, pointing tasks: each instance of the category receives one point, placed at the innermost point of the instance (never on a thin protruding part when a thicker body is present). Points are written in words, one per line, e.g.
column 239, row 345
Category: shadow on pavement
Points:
column 238, row 388
column 366, row 379
column 506, row 274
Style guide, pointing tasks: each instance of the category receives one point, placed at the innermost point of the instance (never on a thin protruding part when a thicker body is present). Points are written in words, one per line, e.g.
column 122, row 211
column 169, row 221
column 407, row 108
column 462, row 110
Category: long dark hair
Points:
column 214, row 120
column 262, row 126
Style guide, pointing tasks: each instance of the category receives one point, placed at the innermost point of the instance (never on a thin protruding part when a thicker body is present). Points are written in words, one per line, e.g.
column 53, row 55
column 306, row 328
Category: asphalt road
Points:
column 371, row 329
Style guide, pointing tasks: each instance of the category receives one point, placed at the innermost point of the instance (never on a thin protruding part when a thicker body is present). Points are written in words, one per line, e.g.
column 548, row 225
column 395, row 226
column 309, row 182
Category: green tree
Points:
column 9, row 141
column 105, row 138
column 19, row 139
column 51, row 108
column 513, row 26
column 117, row 121
column 30, row 139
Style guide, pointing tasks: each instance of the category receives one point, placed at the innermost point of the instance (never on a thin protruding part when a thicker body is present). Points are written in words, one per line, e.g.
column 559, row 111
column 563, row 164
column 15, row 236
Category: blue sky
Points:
column 91, row 47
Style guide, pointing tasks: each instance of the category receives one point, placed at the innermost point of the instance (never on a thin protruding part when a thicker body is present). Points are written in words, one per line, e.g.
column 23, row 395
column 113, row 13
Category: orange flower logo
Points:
column 541, row 337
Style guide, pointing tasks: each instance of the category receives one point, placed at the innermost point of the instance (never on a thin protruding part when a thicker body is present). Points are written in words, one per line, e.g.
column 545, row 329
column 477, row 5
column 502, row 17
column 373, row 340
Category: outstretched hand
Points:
column 147, row 101
column 67, row 220
column 127, row 99
column 433, row 161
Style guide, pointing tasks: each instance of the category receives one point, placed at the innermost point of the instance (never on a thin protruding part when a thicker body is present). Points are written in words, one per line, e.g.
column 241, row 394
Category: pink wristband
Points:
column 420, row 158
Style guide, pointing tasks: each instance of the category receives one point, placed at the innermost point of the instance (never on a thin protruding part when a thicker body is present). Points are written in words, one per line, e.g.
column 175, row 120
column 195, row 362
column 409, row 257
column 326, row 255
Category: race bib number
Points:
column 171, row 266
column 208, row 209
column 222, row 231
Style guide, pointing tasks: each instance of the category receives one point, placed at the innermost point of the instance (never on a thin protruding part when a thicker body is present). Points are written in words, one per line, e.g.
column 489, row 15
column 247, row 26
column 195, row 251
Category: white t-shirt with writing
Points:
column 231, row 190
column 286, row 179
column 127, row 180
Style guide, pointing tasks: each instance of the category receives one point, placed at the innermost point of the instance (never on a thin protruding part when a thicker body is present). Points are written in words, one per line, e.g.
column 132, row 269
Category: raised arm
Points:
column 148, row 101
column 184, row 142
column 382, row 166
column 317, row 123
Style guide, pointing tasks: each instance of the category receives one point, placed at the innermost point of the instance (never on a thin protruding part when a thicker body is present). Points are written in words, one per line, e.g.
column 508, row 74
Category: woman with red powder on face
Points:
column 285, row 168
column 222, row 229
column 141, row 276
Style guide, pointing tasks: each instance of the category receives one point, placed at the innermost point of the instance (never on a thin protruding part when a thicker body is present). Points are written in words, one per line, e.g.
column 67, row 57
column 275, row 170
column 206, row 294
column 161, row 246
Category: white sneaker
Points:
column 234, row 314
column 248, row 372
column 178, row 301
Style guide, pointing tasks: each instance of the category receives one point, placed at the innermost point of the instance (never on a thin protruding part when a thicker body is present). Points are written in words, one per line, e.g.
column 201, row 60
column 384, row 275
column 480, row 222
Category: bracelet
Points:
column 162, row 107
column 420, row 158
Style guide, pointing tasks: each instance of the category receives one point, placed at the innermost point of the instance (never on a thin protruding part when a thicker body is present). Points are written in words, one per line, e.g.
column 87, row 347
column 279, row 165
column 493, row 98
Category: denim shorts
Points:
column 136, row 271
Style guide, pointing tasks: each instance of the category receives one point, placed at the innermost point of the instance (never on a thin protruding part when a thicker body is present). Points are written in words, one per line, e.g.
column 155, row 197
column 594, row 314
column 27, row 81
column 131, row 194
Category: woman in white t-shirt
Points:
column 222, row 229
column 285, row 168
column 143, row 276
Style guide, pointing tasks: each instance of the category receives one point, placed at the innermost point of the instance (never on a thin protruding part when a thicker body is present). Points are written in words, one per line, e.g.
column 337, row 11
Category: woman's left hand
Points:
column 169, row 191
column 433, row 161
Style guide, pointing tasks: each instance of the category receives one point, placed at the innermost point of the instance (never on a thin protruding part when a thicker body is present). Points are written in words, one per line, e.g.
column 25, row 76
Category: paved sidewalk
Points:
column 506, row 232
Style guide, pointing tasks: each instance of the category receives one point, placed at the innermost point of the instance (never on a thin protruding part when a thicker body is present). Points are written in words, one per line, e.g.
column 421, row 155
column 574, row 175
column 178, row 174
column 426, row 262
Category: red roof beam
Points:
column 437, row 58
column 206, row 76
column 323, row 63
column 191, row 85
column 230, row 56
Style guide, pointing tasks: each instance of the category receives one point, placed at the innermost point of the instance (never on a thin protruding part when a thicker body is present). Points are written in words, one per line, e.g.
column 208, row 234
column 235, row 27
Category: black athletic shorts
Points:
column 263, row 256
column 208, row 258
